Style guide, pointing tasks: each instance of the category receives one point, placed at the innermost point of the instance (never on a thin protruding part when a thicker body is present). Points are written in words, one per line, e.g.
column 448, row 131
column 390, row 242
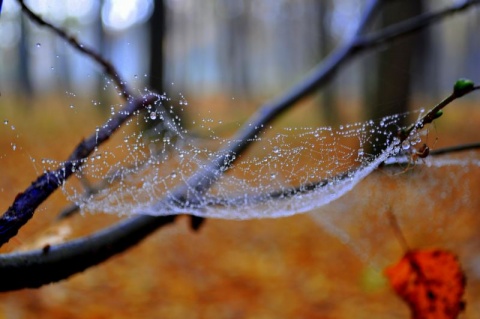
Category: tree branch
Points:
column 25, row 203
column 409, row 26
column 455, row 149
column 35, row 268
column 108, row 68
column 53, row 263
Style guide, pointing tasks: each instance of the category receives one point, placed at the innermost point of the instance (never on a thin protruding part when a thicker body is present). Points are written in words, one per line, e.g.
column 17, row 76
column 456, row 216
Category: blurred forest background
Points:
column 236, row 48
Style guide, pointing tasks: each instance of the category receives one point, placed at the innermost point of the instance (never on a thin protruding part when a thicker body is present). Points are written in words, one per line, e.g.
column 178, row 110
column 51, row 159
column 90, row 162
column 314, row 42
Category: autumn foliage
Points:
column 431, row 282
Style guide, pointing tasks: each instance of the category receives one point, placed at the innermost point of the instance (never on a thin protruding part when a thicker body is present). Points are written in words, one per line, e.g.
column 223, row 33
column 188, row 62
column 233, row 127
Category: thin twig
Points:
column 108, row 68
column 166, row 125
column 397, row 230
column 38, row 267
column 455, row 149
column 368, row 17
column 401, row 158
column 435, row 112
column 411, row 25
column 25, row 203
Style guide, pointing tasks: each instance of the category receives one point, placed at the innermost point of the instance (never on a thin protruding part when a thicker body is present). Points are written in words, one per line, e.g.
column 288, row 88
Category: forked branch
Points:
column 25, row 203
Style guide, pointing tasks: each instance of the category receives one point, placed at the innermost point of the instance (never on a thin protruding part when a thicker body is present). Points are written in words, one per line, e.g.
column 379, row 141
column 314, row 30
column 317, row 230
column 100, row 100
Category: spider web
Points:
column 289, row 170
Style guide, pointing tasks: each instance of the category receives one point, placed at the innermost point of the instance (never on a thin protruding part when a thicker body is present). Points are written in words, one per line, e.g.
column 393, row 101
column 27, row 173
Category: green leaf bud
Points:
column 463, row 86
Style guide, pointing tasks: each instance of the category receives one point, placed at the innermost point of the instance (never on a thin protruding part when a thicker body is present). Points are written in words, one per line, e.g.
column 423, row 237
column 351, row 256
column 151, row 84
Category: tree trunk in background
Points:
column 235, row 47
column 471, row 50
column 428, row 56
column 326, row 43
column 157, row 34
column 62, row 68
column 102, row 47
column 388, row 79
column 24, row 80
column 156, row 83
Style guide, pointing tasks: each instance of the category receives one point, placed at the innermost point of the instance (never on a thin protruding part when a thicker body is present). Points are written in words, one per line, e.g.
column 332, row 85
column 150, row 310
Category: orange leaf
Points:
column 431, row 282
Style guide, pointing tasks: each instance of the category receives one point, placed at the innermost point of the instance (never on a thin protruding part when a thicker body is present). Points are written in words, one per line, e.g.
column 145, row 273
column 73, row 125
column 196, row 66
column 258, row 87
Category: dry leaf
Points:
column 431, row 282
